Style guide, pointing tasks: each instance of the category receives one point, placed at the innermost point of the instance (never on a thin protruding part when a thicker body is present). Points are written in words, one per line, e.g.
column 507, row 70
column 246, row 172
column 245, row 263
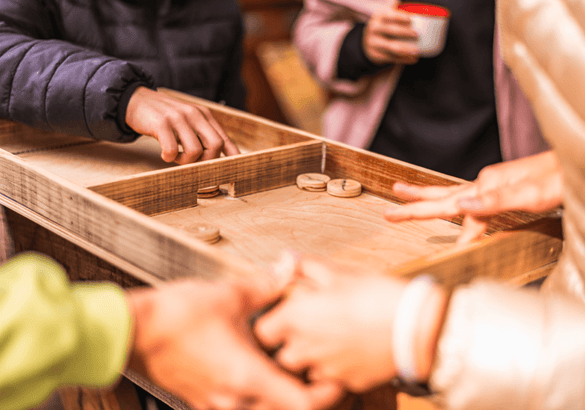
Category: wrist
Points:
column 141, row 305
column 123, row 105
column 417, row 323
column 428, row 331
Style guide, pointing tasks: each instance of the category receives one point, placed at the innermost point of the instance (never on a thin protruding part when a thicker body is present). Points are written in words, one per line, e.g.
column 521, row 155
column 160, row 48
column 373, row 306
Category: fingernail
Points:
column 471, row 203
column 392, row 211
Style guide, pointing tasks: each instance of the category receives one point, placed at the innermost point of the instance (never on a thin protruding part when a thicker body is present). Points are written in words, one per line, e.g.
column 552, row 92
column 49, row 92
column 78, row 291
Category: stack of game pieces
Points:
column 345, row 188
column 312, row 182
column 208, row 192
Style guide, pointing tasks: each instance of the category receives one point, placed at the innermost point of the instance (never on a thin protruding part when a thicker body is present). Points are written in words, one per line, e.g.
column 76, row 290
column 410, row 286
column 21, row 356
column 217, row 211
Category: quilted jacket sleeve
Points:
column 54, row 85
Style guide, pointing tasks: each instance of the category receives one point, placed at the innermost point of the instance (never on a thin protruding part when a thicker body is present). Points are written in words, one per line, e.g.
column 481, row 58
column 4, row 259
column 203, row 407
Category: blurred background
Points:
column 279, row 86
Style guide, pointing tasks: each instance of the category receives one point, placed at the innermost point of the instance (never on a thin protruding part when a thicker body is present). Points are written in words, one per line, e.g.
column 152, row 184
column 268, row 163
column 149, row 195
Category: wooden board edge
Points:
column 82, row 243
column 503, row 256
column 532, row 276
column 162, row 251
column 171, row 189
column 378, row 173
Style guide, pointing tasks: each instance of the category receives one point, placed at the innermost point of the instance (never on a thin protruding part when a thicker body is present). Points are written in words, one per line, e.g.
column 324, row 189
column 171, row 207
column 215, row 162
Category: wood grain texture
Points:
column 79, row 263
column 100, row 162
column 176, row 188
column 18, row 139
column 349, row 230
column 378, row 173
column 161, row 251
column 504, row 256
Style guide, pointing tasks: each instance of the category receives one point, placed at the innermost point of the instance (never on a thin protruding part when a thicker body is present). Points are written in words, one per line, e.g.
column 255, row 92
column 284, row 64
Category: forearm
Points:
column 56, row 334
column 353, row 63
column 319, row 37
column 510, row 349
column 57, row 86
column 430, row 324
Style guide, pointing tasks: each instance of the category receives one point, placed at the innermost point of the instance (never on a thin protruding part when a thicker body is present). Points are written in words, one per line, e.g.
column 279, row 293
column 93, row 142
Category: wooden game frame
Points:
column 113, row 220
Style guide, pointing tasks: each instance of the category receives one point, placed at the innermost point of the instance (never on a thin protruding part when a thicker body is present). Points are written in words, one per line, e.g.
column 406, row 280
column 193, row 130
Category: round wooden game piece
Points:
column 345, row 188
column 204, row 231
column 208, row 195
column 312, row 182
column 208, row 189
column 208, row 192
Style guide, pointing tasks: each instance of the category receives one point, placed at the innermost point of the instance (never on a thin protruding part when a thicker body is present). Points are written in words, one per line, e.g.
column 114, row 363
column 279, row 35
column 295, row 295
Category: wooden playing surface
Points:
column 121, row 204
column 348, row 230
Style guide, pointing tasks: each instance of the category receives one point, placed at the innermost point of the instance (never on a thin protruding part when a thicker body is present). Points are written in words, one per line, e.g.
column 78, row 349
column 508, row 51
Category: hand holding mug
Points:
column 390, row 39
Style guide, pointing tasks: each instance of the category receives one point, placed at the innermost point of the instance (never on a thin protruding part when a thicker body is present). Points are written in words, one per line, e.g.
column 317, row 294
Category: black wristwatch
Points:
column 412, row 389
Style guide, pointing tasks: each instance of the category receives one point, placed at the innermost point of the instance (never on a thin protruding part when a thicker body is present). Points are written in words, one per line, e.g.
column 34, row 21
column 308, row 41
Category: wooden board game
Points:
column 120, row 204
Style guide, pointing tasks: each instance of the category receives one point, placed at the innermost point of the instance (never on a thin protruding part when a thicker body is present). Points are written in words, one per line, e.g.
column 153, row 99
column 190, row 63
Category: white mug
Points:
column 431, row 22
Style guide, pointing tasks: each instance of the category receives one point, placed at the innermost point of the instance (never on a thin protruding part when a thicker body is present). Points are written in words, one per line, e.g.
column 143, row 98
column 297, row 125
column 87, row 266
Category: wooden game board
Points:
column 126, row 213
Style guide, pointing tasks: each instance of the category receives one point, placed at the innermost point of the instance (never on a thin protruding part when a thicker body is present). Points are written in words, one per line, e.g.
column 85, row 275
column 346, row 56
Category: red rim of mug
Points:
column 425, row 9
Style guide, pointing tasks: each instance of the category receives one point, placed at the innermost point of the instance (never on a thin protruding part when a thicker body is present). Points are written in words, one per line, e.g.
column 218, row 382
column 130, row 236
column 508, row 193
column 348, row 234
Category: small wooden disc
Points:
column 345, row 188
column 208, row 194
column 204, row 231
column 315, row 189
column 208, row 189
column 312, row 181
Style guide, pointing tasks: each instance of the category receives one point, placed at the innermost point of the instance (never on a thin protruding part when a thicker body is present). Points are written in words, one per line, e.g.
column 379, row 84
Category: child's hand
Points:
column 173, row 122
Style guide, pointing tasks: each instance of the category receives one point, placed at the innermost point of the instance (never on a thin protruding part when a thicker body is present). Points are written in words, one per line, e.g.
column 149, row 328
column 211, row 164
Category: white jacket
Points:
column 508, row 349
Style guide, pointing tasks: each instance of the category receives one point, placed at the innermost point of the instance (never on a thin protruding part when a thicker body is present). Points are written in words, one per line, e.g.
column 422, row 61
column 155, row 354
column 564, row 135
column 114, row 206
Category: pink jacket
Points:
column 356, row 108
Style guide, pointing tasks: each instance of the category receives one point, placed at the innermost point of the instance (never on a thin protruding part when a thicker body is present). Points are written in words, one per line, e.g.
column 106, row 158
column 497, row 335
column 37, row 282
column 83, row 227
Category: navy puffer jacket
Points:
column 65, row 64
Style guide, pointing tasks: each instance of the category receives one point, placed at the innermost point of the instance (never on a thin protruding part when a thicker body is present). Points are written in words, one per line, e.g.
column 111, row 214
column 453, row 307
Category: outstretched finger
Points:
column 442, row 208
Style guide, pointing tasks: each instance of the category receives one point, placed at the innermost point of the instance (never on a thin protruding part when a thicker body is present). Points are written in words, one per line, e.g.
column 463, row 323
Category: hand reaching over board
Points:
column 533, row 184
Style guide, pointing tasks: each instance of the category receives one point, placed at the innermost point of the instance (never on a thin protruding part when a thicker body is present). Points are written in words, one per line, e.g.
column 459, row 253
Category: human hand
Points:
column 193, row 338
column 533, row 184
column 388, row 38
column 173, row 122
column 335, row 323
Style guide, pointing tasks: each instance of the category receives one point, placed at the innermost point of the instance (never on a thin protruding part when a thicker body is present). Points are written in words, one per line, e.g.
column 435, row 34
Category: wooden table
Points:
column 117, row 212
